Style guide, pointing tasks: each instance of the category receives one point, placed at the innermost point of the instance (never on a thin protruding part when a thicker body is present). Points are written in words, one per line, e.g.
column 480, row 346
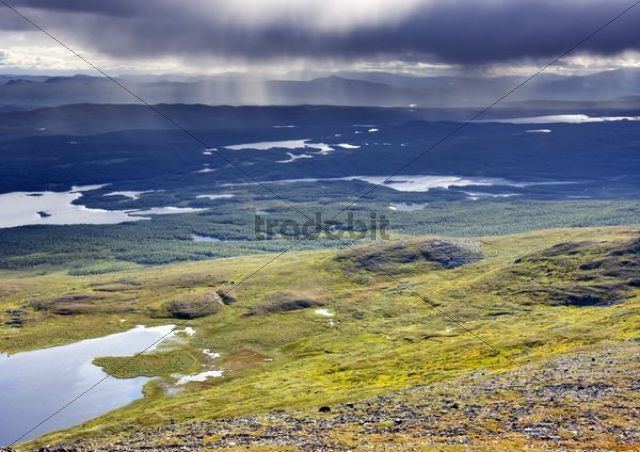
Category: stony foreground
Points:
column 588, row 400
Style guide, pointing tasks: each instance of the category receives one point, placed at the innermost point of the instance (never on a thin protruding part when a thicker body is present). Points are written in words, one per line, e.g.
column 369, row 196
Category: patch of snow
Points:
column 324, row 312
column 187, row 330
column 202, row 376
column 210, row 354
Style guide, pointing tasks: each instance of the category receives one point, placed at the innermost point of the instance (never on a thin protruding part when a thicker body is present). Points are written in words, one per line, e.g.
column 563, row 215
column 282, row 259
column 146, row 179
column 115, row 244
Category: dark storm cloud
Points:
column 453, row 31
column 108, row 7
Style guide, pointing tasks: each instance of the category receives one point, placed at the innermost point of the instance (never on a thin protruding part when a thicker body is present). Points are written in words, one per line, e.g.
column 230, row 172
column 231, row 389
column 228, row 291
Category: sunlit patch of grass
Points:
column 165, row 364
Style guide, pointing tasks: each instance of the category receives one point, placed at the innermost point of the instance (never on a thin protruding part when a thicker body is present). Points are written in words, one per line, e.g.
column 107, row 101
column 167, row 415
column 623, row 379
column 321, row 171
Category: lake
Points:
column 37, row 383
column 58, row 208
column 25, row 208
column 285, row 144
column 560, row 119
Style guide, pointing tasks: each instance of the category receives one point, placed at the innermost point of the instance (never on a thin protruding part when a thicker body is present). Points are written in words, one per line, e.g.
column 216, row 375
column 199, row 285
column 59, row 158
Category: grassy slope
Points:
column 384, row 337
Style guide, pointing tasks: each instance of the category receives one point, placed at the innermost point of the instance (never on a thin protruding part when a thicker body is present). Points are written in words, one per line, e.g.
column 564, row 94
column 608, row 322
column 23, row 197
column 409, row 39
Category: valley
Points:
column 490, row 267
column 284, row 225
column 96, row 187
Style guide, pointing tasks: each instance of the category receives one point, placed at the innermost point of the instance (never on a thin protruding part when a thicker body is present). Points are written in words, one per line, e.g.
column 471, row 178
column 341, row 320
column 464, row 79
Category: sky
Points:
column 277, row 37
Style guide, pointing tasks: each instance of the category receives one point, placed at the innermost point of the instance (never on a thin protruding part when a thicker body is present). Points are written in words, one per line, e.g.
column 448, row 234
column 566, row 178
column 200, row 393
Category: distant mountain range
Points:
column 618, row 89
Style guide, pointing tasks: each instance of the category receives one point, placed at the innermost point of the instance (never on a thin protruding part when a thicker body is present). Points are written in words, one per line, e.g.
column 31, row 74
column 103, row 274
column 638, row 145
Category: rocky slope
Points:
column 586, row 400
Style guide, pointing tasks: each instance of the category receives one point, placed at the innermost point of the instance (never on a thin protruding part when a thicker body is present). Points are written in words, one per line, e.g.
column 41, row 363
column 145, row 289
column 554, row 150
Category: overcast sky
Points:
column 275, row 36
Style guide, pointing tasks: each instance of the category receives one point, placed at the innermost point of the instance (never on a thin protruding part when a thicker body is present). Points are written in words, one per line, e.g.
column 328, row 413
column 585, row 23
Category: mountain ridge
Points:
column 340, row 89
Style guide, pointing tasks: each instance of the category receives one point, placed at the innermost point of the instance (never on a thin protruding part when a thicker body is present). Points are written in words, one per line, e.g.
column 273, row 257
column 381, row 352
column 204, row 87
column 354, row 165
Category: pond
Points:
column 37, row 383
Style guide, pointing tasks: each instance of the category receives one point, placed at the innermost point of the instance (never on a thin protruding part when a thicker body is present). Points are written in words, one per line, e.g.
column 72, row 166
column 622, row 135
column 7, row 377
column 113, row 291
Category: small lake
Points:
column 424, row 183
column 294, row 157
column 129, row 194
column 209, row 239
column 163, row 211
column 286, row 144
column 214, row 196
column 35, row 384
column 406, row 183
column 560, row 119
column 204, row 239
column 25, row 208
column 407, row 206
column 58, row 208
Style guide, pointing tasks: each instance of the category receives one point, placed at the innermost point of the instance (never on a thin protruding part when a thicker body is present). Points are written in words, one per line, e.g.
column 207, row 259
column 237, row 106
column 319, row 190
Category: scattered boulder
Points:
column 227, row 297
column 68, row 304
column 194, row 306
column 571, row 296
column 285, row 301
column 115, row 288
column 16, row 322
column 16, row 318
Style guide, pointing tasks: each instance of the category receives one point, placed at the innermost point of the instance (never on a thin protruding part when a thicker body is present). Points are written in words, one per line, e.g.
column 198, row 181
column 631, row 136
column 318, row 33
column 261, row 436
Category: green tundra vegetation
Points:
column 325, row 327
